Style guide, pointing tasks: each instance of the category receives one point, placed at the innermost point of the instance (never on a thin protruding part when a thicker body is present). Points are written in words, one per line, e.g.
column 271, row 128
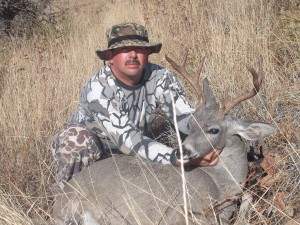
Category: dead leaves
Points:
column 269, row 166
column 273, row 177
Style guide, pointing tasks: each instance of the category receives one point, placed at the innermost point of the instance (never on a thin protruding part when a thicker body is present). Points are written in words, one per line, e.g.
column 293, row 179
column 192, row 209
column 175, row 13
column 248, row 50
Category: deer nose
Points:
column 185, row 152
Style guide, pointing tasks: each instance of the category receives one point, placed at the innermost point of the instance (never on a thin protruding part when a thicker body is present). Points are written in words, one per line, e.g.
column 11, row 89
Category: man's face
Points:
column 128, row 63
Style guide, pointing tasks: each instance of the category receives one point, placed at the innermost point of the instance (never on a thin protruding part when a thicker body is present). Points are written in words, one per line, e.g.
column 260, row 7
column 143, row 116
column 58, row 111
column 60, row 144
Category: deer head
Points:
column 210, row 126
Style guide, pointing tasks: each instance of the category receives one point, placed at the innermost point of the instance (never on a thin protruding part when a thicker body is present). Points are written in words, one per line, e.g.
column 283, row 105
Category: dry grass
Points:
column 231, row 32
column 11, row 212
column 41, row 78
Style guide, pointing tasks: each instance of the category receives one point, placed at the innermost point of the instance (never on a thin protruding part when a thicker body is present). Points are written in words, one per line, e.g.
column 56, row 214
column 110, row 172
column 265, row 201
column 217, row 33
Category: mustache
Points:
column 132, row 61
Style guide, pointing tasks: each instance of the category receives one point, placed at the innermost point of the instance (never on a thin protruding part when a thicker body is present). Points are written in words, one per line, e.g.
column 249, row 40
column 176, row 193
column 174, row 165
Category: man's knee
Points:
column 73, row 148
column 73, row 138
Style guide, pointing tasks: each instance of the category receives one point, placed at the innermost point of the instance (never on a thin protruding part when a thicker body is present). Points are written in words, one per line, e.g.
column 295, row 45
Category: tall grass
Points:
column 231, row 32
column 41, row 78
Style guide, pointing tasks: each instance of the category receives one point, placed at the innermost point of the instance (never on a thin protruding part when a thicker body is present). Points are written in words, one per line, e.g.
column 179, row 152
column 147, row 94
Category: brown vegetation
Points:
column 41, row 77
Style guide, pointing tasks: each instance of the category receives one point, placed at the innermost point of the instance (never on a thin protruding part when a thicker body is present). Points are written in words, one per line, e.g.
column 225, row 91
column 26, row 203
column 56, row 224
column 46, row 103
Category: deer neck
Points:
column 234, row 157
column 232, row 168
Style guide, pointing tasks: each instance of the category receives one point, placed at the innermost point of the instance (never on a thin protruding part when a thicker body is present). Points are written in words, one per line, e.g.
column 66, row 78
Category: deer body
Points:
column 129, row 190
column 134, row 196
column 122, row 189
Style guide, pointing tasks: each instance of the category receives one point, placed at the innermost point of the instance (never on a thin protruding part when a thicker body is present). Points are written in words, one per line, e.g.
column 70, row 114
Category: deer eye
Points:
column 213, row 131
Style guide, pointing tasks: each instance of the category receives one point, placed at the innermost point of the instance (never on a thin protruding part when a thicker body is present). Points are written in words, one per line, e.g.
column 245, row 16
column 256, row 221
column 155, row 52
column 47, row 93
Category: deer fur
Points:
column 130, row 190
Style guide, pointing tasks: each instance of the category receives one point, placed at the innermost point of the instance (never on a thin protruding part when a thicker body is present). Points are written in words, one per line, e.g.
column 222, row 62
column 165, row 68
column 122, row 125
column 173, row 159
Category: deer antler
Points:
column 257, row 80
column 193, row 80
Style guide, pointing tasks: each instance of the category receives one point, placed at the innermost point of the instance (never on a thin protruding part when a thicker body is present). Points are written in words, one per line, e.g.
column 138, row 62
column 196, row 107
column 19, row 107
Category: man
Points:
column 117, row 105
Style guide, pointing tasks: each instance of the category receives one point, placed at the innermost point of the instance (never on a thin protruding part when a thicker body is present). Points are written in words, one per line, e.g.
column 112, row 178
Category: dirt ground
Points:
column 103, row 11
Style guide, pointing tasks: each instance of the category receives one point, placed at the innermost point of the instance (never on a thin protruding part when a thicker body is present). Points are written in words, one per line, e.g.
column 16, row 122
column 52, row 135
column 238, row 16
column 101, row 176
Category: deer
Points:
column 129, row 190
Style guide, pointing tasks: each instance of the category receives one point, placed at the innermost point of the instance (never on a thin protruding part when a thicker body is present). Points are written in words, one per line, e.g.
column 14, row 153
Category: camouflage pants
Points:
column 73, row 148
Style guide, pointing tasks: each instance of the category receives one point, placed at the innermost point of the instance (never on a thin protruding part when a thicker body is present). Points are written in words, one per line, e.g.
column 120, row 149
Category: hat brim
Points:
column 154, row 48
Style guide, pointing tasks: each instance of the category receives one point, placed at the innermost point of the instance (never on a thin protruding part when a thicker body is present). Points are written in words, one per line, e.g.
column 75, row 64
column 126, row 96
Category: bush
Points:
column 23, row 17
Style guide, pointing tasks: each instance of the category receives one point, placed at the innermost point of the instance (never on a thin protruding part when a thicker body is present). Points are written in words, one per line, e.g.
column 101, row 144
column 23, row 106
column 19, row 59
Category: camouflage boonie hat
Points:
column 126, row 35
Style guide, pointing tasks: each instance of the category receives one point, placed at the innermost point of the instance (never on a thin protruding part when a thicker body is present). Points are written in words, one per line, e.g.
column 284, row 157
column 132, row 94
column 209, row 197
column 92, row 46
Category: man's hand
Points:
column 210, row 159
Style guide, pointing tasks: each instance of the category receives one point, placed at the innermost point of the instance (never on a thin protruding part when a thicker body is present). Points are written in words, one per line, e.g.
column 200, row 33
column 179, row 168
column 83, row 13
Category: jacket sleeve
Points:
column 171, row 96
column 110, row 115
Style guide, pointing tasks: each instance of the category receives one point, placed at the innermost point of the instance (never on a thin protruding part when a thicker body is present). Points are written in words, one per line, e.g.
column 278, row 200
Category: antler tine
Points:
column 257, row 80
column 193, row 80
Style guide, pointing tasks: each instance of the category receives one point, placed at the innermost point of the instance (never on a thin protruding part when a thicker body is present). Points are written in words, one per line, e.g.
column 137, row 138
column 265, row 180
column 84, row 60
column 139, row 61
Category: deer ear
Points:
column 209, row 96
column 252, row 131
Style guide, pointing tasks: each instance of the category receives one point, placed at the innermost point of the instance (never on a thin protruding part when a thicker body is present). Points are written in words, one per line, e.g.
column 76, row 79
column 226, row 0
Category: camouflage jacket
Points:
column 118, row 114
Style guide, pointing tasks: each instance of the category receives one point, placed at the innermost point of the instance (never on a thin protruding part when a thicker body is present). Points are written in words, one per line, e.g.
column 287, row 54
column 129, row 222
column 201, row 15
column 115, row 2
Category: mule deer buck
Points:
column 129, row 190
